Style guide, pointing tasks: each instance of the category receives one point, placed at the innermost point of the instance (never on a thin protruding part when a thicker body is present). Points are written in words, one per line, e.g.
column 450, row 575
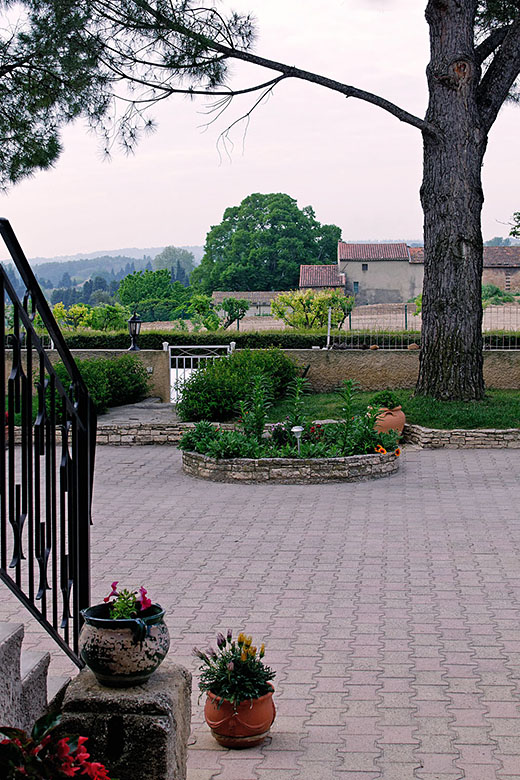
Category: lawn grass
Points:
column 499, row 409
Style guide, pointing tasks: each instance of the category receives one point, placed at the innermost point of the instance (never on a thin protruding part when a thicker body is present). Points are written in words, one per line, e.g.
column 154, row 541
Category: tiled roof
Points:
column 372, row 251
column 416, row 254
column 499, row 256
column 321, row 276
column 259, row 297
column 494, row 256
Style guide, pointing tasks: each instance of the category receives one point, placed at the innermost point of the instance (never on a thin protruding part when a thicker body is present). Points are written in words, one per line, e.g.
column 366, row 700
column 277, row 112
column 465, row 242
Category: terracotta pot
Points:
column 243, row 726
column 390, row 420
column 122, row 653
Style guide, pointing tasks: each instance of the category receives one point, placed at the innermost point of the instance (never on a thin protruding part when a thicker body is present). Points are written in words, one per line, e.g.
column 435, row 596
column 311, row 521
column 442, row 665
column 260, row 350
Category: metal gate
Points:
column 185, row 359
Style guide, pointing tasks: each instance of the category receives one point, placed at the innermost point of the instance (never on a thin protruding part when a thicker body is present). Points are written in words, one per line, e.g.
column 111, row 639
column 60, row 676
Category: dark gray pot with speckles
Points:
column 122, row 653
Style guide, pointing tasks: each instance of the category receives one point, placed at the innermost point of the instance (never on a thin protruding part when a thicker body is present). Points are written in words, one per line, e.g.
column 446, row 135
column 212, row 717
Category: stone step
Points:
column 33, row 698
column 56, row 690
column 11, row 637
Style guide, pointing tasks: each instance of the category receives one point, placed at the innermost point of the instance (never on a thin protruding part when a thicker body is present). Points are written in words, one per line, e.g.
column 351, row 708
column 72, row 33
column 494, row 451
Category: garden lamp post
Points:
column 297, row 431
column 134, row 328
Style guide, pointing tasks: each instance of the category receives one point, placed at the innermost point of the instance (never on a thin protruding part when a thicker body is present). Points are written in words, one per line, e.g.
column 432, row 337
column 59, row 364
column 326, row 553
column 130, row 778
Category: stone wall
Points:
column 373, row 369
column 499, row 277
column 482, row 438
column 146, row 433
column 156, row 362
column 397, row 368
column 355, row 468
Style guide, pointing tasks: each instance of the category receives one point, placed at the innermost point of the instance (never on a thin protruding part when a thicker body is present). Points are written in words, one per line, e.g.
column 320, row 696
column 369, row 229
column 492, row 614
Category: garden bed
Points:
column 354, row 468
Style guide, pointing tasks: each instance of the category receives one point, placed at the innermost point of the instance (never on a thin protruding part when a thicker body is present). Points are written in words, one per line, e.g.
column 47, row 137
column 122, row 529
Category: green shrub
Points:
column 214, row 391
column 110, row 382
column 127, row 380
column 198, row 438
column 95, row 376
column 385, row 398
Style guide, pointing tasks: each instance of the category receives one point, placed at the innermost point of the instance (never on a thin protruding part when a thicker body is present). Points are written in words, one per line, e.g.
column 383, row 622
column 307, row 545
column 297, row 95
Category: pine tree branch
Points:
column 490, row 44
column 500, row 76
column 231, row 52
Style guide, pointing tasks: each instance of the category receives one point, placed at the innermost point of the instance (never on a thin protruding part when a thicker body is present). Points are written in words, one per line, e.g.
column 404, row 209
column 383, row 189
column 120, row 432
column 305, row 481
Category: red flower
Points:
column 62, row 748
column 96, row 771
column 80, row 754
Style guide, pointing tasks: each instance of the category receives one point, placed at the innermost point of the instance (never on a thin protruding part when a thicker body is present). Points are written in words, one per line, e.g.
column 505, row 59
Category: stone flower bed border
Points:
column 426, row 438
column 481, row 438
column 354, row 468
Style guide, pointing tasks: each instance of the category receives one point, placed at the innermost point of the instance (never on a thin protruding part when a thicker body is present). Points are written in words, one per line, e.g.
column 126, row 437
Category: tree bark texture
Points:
column 451, row 364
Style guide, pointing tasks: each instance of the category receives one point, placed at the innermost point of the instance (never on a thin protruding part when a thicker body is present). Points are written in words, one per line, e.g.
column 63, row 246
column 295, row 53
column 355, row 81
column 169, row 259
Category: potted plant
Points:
column 124, row 639
column 43, row 756
column 391, row 417
column 239, row 707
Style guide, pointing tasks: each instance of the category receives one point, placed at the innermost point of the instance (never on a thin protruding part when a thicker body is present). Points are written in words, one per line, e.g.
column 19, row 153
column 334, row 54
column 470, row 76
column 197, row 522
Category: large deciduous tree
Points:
column 87, row 49
column 260, row 245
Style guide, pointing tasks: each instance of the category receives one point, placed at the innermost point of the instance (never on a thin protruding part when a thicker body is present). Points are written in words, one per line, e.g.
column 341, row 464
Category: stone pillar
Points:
column 139, row 733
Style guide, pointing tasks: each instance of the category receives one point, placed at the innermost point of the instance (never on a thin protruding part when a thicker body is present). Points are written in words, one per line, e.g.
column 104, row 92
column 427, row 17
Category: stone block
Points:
column 139, row 732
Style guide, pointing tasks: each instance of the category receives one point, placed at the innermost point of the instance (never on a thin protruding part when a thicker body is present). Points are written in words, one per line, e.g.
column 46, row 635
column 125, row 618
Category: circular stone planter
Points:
column 354, row 468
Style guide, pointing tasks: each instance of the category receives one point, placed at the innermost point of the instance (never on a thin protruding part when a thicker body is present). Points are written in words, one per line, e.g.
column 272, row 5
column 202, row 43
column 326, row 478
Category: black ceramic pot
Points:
column 122, row 653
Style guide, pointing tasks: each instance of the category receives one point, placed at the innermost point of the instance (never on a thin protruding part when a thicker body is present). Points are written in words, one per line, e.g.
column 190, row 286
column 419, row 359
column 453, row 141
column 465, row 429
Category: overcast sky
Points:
column 359, row 167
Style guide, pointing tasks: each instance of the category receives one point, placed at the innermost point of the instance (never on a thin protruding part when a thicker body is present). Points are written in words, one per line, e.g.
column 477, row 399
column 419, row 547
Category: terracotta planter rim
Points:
column 214, row 696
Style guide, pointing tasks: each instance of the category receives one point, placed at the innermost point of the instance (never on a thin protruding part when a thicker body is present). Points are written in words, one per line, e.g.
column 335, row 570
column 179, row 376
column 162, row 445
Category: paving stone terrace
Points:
column 391, row 609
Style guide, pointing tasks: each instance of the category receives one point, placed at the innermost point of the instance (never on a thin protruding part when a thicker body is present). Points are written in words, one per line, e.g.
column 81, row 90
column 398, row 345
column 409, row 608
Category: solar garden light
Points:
column 134, row 328
column 297, row 431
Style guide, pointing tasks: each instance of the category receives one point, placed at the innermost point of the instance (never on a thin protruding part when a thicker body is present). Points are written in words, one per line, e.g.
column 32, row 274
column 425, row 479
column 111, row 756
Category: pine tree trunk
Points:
column 451, row 364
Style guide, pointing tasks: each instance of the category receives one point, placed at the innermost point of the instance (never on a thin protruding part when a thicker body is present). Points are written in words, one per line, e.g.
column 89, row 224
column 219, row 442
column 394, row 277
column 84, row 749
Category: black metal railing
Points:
column 47, row 465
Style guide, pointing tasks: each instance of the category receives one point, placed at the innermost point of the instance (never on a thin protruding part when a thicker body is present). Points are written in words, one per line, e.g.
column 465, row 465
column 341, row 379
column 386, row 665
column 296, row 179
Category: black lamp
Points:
column 134, row 328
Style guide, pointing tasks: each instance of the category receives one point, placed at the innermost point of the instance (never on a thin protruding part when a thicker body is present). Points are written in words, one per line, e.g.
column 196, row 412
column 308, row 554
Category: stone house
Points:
column 393, row 273
column 380, row 273
column 321, row 277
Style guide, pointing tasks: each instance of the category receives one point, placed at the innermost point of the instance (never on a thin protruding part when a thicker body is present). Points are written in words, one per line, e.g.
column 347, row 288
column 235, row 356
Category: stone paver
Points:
column 391, row 609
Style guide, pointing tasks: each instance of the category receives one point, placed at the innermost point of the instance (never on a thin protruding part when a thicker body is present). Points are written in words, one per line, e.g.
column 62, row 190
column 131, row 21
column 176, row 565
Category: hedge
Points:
column 248, row 340
column 271, row 338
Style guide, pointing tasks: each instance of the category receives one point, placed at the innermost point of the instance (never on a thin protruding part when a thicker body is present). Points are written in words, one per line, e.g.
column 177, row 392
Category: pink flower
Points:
column 113, row 593
column 143, row 599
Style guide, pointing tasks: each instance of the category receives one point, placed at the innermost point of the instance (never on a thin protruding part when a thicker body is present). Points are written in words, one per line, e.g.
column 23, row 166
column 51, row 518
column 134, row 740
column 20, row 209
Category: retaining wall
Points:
column 156, row 362
column 355, row 468
column 483, row 438
column 397, row 368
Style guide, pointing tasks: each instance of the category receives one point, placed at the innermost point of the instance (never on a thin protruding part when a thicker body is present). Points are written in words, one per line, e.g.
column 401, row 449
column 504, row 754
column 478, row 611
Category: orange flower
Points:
column 397, row 452
column 382, row 451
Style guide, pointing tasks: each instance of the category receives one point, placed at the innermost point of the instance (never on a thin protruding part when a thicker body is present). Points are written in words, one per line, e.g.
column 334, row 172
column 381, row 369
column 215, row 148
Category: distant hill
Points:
column 132, row 252
column 111, row 264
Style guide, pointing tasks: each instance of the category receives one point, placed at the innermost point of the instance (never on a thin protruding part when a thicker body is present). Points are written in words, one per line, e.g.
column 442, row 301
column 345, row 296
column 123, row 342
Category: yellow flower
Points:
column 243, row 655
column 241, row 639
column 262, row 650
column 252, row 651
column 248, row 641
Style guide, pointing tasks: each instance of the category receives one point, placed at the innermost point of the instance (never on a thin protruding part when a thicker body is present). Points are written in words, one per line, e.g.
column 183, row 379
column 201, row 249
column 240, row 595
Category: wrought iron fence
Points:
column 397, row 326
column 47, row 465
